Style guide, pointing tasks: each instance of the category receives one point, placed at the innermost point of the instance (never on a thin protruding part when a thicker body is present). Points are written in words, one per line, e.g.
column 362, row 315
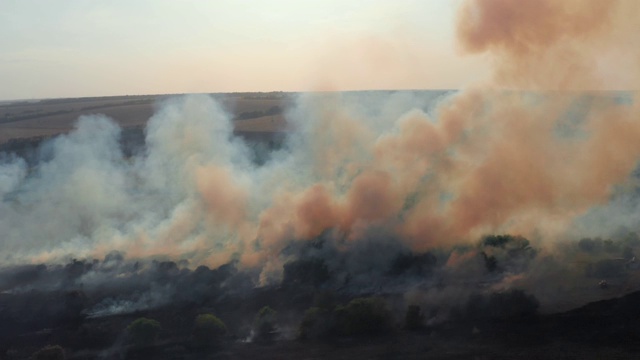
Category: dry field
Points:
column 45, row 118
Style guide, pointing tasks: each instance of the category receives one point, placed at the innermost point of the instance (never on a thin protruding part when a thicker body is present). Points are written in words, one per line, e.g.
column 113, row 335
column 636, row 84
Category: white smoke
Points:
column 356, row 164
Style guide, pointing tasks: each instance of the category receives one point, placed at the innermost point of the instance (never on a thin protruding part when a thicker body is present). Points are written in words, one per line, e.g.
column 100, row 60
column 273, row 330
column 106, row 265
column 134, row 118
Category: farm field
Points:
column 25, row 120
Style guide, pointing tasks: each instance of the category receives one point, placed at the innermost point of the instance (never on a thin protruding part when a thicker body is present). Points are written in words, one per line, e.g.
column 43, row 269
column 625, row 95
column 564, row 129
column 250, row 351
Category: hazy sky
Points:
column 117, row 47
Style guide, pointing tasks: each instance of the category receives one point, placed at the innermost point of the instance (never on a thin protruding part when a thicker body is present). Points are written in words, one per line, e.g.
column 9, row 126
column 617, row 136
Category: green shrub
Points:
column 208, row 330
column 143, row 331
column 264, row 325
column 363, row 316
column 49, row 353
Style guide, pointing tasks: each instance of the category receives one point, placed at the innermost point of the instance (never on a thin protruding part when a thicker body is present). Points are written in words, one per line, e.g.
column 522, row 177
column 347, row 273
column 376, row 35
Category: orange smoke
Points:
column 522, row 28
column 552, row 45
column 225, row 200
column 486, row 160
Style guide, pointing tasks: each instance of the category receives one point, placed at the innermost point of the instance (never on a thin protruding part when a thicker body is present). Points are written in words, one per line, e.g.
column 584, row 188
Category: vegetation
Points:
column 506, row 253
column 317, row 323
column 274, row 110
column 332, row 312
column 360, row 317
column 208, row 330
column 363, row 316
column 264, row 324
column 143, row 331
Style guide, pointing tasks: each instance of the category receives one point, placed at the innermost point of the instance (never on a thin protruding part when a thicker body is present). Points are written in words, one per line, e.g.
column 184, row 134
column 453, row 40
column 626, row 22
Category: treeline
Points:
column 274, row 110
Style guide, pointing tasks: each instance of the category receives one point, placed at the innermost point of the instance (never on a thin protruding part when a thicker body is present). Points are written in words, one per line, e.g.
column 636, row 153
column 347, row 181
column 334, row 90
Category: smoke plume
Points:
column 429, row 170
column 555, row 45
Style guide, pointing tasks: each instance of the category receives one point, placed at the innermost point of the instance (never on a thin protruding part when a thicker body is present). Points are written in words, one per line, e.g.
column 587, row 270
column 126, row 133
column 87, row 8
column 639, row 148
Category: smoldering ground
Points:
column 473, row 283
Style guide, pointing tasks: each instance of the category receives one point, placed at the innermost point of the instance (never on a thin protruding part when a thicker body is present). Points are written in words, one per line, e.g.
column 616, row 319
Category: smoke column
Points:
column 432, row 172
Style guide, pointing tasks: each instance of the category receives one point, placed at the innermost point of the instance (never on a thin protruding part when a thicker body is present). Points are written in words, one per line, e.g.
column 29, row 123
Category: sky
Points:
column 76, row 48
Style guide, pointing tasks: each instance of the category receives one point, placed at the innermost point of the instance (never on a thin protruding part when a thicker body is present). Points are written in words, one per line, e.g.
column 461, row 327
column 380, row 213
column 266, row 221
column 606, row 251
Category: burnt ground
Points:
column 31, row 319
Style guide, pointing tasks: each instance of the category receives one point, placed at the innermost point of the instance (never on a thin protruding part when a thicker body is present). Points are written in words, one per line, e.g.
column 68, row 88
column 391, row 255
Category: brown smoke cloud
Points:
column 520, row 28
column 494, row 160
column 228, row 207
column 552, row 45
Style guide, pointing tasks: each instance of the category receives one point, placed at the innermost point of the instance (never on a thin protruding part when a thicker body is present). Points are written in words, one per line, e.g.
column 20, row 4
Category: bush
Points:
column 264, row 325
column 143, row 331
column 316, row 323
column 363, row 316
column 49, row 353
column 208, row 330
column 414, row 319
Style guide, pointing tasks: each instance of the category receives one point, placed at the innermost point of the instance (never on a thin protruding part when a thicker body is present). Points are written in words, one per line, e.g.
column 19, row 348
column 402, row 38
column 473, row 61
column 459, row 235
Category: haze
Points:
column 98, row 48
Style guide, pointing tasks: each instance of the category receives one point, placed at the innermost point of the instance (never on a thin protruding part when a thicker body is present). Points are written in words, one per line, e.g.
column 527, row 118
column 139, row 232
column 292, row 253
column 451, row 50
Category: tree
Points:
column 143, row 331
column 506, row 253
column 208, row 330
column 363, row 316
column 264, row 325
